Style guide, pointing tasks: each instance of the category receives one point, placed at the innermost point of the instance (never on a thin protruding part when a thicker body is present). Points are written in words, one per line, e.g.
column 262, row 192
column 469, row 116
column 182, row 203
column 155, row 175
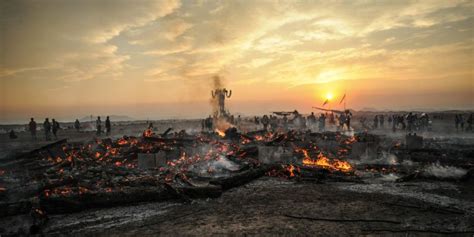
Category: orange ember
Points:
column 291, row 169
column 325, row 162
column 148, row 133
column 220, row 133
column 122, row 141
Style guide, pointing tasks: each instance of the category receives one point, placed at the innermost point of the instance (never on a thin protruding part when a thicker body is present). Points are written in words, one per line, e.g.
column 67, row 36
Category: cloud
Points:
column 71, row 36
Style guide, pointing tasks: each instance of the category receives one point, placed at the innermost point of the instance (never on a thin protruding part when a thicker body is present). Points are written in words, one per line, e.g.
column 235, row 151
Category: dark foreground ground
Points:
column 274, row 206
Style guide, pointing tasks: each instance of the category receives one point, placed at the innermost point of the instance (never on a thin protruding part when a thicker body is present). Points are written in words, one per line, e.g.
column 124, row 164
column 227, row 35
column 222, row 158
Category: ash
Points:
column 246, row 178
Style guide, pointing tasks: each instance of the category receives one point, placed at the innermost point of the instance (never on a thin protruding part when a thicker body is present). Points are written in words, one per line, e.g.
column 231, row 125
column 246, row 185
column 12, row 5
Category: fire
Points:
column 148, row 133
column 351, row 140
column 291, row 169
column 220, row 133
column 342, row 165
column 325, row 162
column 122, row 141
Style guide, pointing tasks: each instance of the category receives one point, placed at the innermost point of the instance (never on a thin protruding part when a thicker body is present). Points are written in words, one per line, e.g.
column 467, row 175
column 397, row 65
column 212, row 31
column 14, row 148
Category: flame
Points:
column 291, row 169
column 325, row 162
column 148, row 133
column 122, row 141
column 220, row 132
column 342, row 165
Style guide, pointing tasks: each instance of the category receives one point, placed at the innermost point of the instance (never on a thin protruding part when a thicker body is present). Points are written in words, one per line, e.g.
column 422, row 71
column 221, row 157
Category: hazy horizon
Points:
column 157, row 59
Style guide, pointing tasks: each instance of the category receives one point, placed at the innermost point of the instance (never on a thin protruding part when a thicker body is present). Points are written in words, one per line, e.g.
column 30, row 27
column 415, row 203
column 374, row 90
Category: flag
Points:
column 325, row 102
column 343, row 98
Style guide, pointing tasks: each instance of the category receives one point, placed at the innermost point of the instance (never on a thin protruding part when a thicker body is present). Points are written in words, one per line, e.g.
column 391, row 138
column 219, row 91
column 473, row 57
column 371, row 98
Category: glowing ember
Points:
column 292, row 169
column 325, row 162
column 220, row 133
column 122, row 141
column 148, row 133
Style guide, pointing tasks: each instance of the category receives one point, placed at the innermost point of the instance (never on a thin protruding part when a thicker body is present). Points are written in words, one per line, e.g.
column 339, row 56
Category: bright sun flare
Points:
column 329, row 96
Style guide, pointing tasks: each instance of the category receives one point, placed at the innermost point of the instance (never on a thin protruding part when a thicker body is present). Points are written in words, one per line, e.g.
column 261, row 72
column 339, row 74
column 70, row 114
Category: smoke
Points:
column 214, row 101
column 446, row 172
column 384, row 159
column 215, row 168
column 217, row 82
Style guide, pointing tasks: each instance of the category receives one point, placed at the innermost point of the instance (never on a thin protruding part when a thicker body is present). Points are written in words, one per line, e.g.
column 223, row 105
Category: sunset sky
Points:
column 156, row 59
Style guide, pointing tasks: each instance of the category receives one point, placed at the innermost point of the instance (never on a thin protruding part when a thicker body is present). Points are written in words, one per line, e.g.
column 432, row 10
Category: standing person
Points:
column 461, row 122
column 77, row 125
column 348, row 119
column 470, row 120
column 108, row 126
column 32, row 128
column 98, row 125
column 265, row 122
column 456, row 121
column 322, row 122
column 394, row 123
column 382, row 120
column 47, row 129
column 55, row 128
column 376, row 122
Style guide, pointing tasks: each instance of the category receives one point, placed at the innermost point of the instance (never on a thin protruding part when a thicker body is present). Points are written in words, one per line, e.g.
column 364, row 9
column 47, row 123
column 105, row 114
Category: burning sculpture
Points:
column 218, row 96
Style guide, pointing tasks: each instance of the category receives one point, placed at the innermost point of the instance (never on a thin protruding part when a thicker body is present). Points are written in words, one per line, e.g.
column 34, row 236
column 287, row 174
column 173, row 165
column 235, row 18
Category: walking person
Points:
column 108, row 126
column 32, row 128
column 98, row 125
column 77, row 125
column 55, row 129
column 47, row 129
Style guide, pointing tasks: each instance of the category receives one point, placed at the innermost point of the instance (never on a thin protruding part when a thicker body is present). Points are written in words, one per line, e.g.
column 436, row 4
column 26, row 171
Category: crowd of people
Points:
column 459, row 122
column 51, row 128
column 341, row 121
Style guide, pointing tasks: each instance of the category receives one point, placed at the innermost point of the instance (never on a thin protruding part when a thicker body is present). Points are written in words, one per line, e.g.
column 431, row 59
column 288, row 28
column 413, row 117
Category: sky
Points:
column 157, row 59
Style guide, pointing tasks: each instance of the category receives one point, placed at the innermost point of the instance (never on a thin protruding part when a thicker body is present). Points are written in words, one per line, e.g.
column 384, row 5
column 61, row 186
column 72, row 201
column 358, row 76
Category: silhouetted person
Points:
column 469, row 121
column 108, row 126
column 265, row 122
column 322, row 122
column 55, row 128
column 12, row 135
column 381, row 120
column 47, row 129
column 456, row 121
column 77, row 125
column 98, row 125
column 461, row 122
column 376, row 122
column 32, row 128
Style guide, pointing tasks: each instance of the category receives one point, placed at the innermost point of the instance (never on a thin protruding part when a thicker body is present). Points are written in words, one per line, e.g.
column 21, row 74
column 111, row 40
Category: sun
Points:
column 329, row 96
